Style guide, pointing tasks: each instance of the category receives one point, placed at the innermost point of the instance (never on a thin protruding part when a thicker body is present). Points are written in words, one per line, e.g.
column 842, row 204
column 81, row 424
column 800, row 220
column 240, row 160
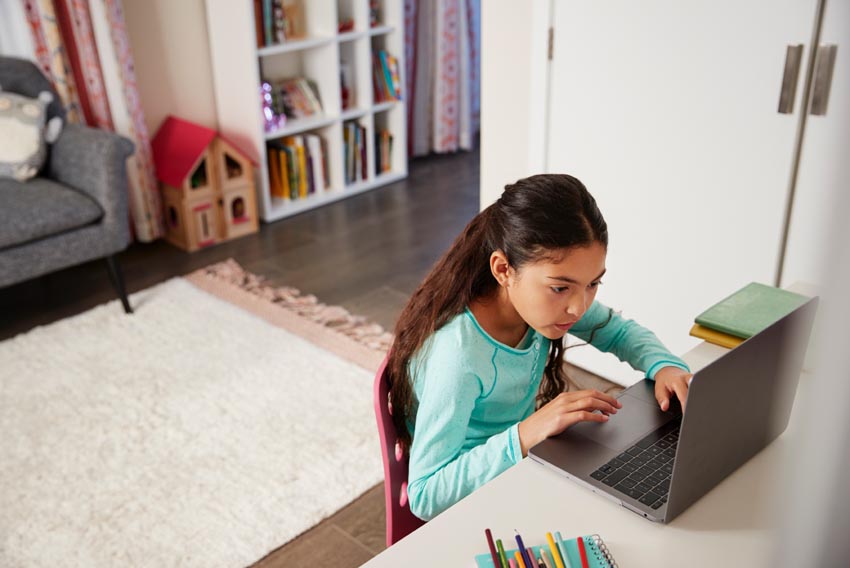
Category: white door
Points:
column 667, row 111
column 824, row 164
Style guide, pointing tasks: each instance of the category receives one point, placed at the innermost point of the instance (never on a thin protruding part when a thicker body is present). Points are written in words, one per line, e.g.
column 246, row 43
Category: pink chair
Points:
column 400, row 521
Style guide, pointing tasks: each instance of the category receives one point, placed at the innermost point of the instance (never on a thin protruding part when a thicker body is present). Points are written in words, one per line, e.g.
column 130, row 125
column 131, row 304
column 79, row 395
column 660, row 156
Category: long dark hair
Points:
column 534, row 217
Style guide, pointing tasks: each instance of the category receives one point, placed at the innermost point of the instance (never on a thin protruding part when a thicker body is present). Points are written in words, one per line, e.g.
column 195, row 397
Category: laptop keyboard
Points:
column 643, row 471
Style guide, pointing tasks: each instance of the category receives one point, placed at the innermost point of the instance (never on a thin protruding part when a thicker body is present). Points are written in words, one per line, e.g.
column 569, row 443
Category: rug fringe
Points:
column 337, row 318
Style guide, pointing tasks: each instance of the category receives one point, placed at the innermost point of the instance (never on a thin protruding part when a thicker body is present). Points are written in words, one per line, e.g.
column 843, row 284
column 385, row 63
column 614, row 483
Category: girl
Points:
column 479, row 345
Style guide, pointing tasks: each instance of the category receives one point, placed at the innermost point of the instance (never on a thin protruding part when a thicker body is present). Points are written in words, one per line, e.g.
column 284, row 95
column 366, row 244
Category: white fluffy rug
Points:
column 192, row 433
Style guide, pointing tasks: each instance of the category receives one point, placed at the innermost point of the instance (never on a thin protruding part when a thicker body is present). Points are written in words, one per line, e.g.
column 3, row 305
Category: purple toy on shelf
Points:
column 271, row 120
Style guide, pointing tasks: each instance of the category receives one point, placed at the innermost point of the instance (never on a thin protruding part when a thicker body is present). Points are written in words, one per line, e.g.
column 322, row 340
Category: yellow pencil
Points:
column 519, row 561
column 554, row 548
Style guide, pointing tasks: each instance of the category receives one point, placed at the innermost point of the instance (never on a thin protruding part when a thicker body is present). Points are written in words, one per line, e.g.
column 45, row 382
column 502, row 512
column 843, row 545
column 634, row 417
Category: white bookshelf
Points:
column 238, row 66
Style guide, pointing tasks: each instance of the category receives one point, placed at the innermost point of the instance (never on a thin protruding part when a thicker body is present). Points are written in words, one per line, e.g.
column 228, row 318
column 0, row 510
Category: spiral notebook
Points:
column 598, row 555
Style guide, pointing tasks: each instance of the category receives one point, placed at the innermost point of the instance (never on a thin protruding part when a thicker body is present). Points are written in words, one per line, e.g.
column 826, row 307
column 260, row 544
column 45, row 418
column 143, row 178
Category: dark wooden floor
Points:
column 366, row 253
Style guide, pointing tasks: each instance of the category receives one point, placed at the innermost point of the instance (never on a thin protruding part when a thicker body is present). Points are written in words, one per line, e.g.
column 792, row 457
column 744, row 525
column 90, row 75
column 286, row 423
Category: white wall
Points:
column 513, row 94
column 172, row 59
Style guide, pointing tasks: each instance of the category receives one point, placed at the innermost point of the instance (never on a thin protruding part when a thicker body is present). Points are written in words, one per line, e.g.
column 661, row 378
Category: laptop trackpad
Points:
column 635, row 420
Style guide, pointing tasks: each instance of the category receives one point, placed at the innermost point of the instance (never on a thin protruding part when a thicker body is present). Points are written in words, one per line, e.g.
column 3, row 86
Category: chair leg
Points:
column 117, row 279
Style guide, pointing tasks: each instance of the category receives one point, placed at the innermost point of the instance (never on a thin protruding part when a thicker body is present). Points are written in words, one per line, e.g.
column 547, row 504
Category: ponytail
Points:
column 459, row 277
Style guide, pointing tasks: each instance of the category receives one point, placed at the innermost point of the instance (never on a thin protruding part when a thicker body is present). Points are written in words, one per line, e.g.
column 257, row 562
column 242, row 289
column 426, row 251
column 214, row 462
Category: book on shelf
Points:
column 297, row 166
column 296, row 97
column 303, row 179
column 385, row 77
column 277, row 21
column 354, row 152
column 394, row 76
column 749, row 310
column 259, row 27
column 275, row 184
column 325, row 172
column 383, row 151
column 314, row 153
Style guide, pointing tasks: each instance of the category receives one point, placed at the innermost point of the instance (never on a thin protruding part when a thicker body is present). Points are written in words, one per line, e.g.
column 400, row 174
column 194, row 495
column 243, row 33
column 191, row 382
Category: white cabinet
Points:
column 667, row 111
column 824, row 159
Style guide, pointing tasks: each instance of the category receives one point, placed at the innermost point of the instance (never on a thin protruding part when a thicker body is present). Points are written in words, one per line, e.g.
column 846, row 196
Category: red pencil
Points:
column 496, row 562
column 583, row 553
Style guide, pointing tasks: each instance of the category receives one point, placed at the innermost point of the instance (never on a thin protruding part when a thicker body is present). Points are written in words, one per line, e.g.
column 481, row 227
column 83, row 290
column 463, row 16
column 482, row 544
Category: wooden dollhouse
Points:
column 207, row 185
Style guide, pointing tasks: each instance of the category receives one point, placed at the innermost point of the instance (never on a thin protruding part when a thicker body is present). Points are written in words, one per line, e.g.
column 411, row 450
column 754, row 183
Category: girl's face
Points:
column 552, row 294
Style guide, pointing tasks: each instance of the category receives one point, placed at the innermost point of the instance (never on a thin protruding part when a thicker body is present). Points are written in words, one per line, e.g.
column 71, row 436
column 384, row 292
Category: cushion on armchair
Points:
column 42, row 208
column 22, row 134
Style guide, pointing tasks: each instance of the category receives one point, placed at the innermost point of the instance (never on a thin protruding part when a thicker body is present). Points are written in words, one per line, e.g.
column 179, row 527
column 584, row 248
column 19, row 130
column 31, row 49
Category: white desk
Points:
column 731, row 526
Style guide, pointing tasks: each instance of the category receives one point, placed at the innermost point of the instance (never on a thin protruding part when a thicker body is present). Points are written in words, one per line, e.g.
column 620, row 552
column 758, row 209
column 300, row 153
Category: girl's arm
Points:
column 443, row 468
column 639, row 347
column 626, row 339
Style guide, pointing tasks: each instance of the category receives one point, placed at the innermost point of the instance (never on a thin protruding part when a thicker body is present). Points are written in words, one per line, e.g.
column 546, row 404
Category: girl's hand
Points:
column 563, row 411
column 671, row 381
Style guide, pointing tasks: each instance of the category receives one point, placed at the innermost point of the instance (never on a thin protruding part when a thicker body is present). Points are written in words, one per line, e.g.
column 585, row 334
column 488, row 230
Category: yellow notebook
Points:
column 716, row 337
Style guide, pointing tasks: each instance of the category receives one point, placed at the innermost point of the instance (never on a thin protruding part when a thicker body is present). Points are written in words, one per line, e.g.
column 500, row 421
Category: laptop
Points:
column 657, row 463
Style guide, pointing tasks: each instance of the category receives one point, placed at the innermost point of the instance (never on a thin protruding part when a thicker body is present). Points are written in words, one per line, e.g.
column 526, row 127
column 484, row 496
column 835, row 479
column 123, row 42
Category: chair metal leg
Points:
column 117, row 279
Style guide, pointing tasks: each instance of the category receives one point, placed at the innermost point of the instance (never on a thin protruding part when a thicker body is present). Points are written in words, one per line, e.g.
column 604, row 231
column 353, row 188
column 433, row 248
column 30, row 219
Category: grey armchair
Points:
column 76, row 210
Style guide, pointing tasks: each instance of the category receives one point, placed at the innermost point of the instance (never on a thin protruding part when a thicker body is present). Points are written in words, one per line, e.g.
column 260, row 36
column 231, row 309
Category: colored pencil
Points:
column 496, row 562
column 583, row 553
column 554, row 548
column 501, row 551
column 519, row 561
column 526, row 560
column 562, row 548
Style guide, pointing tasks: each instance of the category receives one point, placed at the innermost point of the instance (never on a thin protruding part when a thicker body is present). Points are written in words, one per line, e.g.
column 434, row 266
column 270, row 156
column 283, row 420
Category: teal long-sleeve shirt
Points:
column 473, row 391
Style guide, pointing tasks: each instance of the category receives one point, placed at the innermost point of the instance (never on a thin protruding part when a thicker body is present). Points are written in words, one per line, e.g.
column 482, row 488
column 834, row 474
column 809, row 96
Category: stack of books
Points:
column 276, row 21
column 298, row 166
column 385, row 77
column 383, row 151
column 354, row 148
column 738, row 317
column 295, row 98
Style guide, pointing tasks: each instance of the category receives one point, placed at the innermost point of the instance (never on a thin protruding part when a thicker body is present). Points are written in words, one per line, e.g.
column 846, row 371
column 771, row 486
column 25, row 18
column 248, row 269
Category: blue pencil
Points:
column 522, row 550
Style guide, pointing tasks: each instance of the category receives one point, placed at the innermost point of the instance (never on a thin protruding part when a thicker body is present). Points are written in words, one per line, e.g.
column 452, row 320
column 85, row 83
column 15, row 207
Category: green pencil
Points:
column 502, row 558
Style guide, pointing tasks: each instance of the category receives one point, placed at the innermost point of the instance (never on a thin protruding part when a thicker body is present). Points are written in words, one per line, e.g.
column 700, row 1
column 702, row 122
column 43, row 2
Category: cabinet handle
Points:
column 793, row 57
column 822, row 83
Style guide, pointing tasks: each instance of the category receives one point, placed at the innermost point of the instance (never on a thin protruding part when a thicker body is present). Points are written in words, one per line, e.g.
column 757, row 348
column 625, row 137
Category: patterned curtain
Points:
column 83, row 47
column 442, row 51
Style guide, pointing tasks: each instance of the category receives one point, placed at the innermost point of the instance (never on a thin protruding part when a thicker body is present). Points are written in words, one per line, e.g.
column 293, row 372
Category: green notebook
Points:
column 598, row 555
column 750, row 310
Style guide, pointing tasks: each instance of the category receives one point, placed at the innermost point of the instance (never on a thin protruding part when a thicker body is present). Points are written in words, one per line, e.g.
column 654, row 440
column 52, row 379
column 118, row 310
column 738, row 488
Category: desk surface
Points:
column 732, row 525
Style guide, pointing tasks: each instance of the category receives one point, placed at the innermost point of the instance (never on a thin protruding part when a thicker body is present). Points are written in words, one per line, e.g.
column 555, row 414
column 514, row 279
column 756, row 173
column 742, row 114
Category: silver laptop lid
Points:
column 737, row 405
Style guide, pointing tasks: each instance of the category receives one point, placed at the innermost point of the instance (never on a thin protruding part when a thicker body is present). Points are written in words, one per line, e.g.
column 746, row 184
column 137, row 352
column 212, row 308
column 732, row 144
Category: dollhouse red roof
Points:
column 177, row 146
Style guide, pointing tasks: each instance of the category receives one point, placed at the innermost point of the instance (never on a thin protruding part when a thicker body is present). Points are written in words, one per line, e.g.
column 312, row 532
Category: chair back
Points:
column 23, row 77
column 400, row 521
